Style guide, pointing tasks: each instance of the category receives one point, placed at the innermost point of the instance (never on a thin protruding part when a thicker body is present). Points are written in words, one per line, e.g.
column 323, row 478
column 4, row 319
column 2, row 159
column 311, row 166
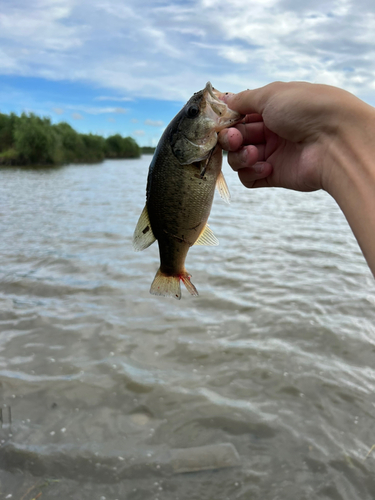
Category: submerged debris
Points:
column 215, row 456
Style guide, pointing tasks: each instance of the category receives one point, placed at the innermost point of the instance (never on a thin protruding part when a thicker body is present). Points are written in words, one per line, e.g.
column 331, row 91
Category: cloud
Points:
column 43, row 23
column 8, row 63
column 113, row 98
column 58, row 111
column 97, row 111
column 139, row 132
column 164, row 50
column 154, row 123
column 120, row 110
column 77, row 116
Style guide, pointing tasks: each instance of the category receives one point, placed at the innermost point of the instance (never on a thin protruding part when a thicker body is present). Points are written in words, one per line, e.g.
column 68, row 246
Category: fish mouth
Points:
column 218, row 111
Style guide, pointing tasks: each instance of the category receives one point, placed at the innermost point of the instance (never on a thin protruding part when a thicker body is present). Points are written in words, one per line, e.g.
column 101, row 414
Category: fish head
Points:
column 194, row 130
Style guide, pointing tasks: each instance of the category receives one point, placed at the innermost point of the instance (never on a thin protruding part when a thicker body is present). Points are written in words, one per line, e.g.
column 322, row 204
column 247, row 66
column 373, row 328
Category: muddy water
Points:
column 107, row 384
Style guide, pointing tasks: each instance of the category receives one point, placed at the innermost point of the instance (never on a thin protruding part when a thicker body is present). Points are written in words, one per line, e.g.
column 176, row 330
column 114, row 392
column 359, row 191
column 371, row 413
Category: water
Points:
column 276, row 356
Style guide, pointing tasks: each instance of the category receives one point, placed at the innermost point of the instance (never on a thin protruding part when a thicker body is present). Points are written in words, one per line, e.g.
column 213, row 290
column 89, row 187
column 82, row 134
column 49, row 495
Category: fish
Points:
column 183, row 174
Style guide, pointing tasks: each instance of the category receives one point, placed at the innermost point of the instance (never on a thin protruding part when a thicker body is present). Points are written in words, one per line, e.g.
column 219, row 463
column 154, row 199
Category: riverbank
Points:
column 31, row 140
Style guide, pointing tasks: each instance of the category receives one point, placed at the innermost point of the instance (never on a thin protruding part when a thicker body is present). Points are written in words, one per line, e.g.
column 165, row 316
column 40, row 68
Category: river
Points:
column 102, row 383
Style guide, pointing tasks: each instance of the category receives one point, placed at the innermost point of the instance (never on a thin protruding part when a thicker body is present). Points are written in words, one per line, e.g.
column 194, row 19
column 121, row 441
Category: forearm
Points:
column 351, row 180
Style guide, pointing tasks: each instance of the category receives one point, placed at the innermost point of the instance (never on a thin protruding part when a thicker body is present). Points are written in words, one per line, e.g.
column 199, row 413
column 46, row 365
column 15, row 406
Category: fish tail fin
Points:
column 166, row 285
column 169, row 285
column 189, row 285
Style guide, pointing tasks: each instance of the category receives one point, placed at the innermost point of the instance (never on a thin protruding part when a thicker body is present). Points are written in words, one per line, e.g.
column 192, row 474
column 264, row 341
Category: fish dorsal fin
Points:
column 143, row 236
column 207, row 237
column 223, row 188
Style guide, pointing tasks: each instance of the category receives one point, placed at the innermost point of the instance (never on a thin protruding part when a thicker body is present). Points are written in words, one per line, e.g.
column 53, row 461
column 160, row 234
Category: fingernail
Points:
column 258, row 168
column 243, row 155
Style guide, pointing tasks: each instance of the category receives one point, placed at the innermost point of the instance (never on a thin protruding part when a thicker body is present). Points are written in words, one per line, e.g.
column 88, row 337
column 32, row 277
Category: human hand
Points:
column 286, row 134
column 305, row 137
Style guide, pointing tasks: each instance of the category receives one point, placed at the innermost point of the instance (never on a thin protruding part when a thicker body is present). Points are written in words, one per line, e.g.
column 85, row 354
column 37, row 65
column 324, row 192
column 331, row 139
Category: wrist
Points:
column 349, row 176
column 350, row 146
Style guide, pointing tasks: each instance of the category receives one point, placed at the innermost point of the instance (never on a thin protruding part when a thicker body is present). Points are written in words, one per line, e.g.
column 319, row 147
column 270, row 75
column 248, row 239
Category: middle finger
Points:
column 252, row 133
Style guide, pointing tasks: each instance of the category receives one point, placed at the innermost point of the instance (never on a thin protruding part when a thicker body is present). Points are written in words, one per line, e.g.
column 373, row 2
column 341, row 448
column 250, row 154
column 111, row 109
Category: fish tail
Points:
column 189, row 285
column 169, row 285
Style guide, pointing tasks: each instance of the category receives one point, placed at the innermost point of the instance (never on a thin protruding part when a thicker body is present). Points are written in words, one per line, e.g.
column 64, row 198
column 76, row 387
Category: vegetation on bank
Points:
column 31, row 140
column 148, row 150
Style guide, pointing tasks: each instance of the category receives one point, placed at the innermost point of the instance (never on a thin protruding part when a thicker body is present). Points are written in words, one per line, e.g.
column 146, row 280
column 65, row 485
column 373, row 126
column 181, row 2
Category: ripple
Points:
column 275, row 357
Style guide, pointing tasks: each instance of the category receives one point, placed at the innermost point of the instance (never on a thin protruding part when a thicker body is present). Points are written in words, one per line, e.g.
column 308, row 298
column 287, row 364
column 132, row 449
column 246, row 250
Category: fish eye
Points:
column 193, row 111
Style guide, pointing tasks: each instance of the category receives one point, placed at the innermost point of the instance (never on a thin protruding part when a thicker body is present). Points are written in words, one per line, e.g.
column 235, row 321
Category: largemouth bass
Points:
column 181, row 182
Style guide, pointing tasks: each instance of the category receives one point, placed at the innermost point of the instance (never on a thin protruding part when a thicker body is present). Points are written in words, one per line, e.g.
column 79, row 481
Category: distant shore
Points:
column 28, row 140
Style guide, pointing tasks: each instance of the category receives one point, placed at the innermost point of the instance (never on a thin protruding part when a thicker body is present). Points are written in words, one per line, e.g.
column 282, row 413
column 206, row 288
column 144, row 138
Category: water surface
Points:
column 276, row 356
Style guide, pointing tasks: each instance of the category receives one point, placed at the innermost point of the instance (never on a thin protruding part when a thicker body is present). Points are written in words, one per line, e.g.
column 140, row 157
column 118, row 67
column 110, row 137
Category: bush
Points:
column 9, row 157
column 35, row 140
column 29, row 139
column 7, row 131
column 122, row 147
column 70, row 142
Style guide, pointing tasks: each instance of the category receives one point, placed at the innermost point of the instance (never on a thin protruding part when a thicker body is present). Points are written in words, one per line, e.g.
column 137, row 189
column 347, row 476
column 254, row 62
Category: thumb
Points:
column 249, row 101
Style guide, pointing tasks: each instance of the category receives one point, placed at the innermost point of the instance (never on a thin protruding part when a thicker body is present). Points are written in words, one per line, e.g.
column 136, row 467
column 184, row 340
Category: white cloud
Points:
column 96, row 110
column 139, row 132
column 77, row 116
column 168, row 50
column 119, row 110
column 8, row 63
column 154, row 123
column 58, row 111
column 113, row 98
column 42, row 23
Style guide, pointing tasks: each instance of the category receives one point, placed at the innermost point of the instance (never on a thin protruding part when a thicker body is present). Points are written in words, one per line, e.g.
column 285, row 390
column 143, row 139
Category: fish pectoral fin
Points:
column 207, row 237
column 143, row 236
column 222, row 187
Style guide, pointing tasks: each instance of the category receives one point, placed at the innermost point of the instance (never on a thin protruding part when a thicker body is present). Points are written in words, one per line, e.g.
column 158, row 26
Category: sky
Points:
column 128, row 66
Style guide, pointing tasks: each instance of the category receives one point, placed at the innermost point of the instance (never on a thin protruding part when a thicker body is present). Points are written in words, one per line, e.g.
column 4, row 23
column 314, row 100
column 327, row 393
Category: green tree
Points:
column 35, row 140
column 131, row 147
column 7, row 123
column 71, row 143
column 121, row 147
column 94, row 147
column 29, row 139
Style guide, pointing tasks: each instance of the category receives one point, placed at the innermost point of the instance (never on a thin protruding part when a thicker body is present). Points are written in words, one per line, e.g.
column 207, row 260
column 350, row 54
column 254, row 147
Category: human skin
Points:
column 306, row 137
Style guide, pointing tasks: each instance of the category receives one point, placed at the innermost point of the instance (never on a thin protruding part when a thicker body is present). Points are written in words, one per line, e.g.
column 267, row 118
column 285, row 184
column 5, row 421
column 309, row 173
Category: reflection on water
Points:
column 105, row 382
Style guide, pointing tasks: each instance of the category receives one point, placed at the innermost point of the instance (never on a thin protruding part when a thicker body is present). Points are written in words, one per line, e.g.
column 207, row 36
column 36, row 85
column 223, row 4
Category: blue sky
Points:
column 111, row 66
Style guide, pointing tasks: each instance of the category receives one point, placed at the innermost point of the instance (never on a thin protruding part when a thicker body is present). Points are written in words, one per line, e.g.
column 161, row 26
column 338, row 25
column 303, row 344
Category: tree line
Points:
column 31, row 140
